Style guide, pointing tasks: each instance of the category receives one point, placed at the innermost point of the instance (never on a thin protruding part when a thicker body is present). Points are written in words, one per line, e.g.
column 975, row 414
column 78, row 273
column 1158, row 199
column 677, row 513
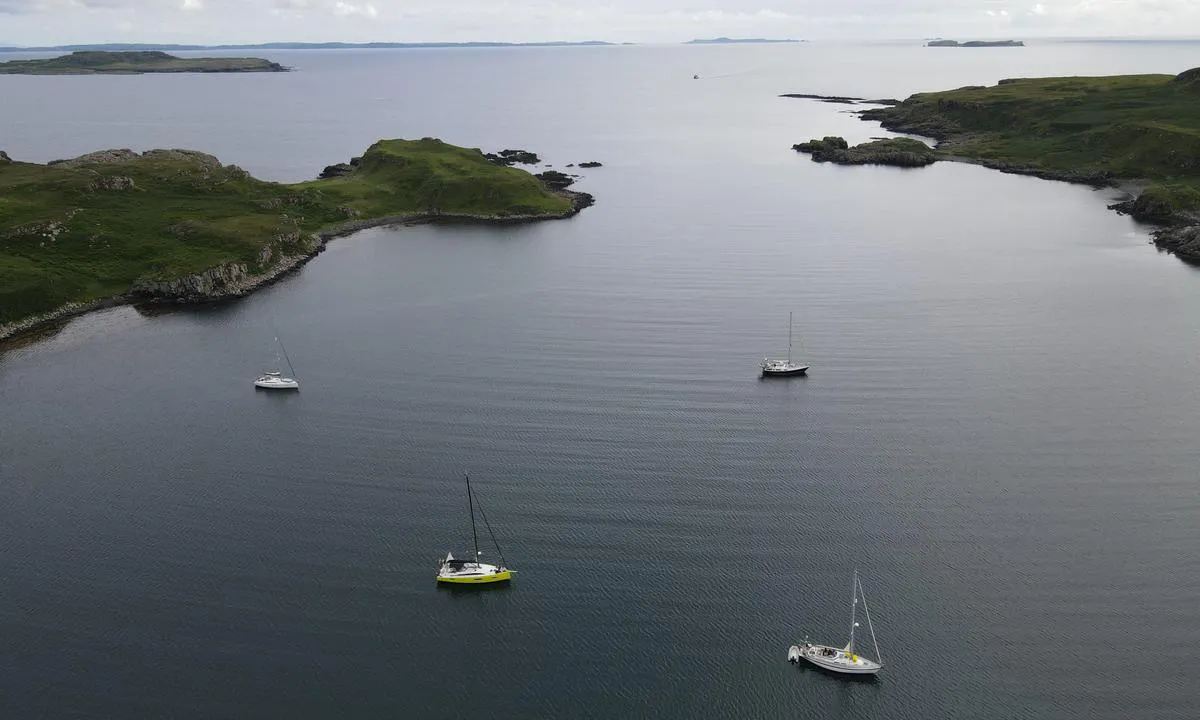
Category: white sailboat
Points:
column 845, row 659
column 774, row 367
column 456, row 571
column 276, row 380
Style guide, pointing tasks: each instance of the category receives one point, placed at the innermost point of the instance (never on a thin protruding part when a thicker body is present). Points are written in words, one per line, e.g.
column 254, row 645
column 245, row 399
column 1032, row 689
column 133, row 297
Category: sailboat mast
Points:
column 471, row 506
column 871, row 627
column 291, row 370
column 853, row 607
column 789, row 338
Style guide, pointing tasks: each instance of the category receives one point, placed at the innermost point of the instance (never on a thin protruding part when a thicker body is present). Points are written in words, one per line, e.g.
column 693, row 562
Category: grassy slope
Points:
column 399, row 176
column 1122, row 127
column 73, row 233
column 90, row 62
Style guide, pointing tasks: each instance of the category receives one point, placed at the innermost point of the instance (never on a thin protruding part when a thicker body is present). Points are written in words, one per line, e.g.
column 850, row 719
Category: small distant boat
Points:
column 276, row 380
column 844, row 660
column 453, row 570
column 774, row 367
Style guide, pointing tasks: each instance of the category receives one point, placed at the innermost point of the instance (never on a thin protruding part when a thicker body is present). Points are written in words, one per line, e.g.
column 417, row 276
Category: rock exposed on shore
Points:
column 841, row 99
column 590, row 164
column 219, row 281
column 513, row 157
column 555, row 180
column 898, row 152
column 1183, row 241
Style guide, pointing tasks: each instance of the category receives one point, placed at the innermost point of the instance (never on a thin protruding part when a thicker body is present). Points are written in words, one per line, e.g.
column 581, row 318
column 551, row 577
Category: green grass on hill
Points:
column 430, row 176
column 89, row 228
column 1121, row 127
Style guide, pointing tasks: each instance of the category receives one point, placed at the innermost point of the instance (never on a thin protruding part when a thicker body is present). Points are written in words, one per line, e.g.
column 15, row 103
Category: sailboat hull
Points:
column 498, row 576
column 833, row 659
column 785, row 371
column 276, row 383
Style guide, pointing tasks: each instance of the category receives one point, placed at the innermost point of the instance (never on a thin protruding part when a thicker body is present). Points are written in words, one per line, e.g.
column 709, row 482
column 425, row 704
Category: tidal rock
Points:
column 513, row 157
column 1184, row 241
column 590, row 164
column 555, row 180
column 899, row 152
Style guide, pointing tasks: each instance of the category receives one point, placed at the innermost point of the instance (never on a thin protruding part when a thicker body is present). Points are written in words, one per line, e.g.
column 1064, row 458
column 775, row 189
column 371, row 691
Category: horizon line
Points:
column 435, row 44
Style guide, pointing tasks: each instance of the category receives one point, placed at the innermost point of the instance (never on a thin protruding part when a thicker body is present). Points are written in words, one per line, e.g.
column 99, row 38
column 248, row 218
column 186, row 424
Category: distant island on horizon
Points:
column 110, row 47
column 737, row 41
column 975, row 43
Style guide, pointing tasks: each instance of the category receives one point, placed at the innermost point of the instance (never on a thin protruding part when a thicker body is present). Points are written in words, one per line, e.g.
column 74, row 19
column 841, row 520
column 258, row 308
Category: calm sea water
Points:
column 998, row 430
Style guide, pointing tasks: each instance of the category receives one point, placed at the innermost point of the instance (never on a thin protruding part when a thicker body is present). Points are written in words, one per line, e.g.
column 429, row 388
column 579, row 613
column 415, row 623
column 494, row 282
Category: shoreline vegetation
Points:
column 97, row 62
column 178, row 227
column 1139, row 133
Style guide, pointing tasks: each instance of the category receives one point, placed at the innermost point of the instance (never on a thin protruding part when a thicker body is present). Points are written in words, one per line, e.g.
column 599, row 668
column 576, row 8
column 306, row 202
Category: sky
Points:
column 54, row 22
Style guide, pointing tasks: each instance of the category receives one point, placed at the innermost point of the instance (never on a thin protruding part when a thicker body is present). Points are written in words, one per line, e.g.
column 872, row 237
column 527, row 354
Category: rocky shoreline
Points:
column 234, row 280
column 1176, row 232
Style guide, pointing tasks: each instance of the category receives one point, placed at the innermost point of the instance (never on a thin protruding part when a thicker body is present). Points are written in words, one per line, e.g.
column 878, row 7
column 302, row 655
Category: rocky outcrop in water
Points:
column 899, row 152
column 590, row 164
column 555, row 180
column 1183, row 241
column 513, row 157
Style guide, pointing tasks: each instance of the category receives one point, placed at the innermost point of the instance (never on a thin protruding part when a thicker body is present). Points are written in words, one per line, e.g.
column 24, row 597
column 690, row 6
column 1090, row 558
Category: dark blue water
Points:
column 998, row 430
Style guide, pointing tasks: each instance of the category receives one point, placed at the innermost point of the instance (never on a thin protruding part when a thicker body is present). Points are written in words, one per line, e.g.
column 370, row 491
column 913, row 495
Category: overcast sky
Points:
column 46, row 22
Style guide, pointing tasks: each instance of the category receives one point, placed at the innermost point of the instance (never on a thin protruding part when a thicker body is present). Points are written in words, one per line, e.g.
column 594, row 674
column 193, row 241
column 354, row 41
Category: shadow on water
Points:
column 808, row 669
column 455, row 590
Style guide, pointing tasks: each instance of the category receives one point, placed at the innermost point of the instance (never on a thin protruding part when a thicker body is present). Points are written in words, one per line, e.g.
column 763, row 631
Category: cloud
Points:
column 342, row 9
column 225, row 21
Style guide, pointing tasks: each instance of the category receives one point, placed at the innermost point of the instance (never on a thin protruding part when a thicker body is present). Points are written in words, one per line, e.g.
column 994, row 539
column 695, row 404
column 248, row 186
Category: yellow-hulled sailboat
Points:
column 455, row 571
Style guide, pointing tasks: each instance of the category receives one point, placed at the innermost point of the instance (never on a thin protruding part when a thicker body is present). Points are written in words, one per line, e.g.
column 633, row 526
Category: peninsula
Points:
column 178, row 226
column 1139, row 132
column 99, row 62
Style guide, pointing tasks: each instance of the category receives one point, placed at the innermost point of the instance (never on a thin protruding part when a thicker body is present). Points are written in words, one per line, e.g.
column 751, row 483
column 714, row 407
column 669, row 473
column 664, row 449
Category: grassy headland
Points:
column 98, row 62
column 177, row 225
column 1135, row 129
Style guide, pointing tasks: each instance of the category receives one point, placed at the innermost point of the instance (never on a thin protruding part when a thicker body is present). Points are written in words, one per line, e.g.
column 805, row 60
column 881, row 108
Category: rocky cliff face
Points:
column 216, row 282
column 1183, row 241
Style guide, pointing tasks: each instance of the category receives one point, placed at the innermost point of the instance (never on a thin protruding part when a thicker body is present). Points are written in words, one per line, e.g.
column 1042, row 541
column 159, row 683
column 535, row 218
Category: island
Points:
column 1140, row 133
column 975, row 43
column 99, row 62
column 178, row 226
